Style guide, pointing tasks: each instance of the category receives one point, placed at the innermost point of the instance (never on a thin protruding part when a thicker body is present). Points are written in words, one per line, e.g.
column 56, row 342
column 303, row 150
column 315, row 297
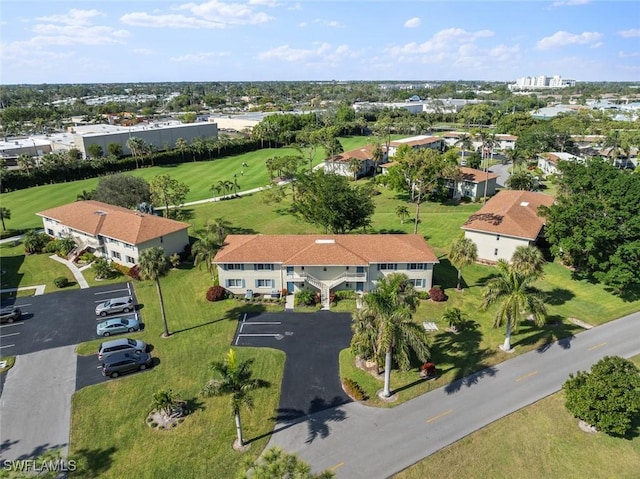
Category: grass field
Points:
column 200, row 176
column 541, row 440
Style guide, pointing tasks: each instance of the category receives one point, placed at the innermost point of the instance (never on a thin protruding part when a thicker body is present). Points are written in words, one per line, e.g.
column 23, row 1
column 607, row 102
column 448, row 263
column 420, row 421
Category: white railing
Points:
column 325, row 286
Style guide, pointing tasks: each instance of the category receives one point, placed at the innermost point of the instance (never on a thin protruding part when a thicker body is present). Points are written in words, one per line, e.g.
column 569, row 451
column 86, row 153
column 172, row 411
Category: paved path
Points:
column 77, row 274
column 372, row 443
column 39, row 289
column 35, row 406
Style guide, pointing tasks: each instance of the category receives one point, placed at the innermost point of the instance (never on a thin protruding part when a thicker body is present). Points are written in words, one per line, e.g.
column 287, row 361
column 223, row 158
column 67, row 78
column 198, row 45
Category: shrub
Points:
column 87, row 257
column 608, row 397
column 134, row 272
column 284, row 292
column 216, row 293
column 52, row 246
column 437, row 295
column 345, row 294
column 61, row 282
column 35, row 242
column 354, row 390
column 422, row 295
column 305, row 297
column 174, row 259
column 103, row 269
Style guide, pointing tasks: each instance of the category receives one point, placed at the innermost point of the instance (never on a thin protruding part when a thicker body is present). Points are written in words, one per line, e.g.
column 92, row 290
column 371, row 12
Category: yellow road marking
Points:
column 596, row 346
column 442, row 414
column 340, row 464
column 526, row 376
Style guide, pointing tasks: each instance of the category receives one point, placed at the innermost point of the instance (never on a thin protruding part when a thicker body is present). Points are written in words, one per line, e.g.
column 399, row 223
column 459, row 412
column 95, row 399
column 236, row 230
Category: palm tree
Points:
column 85, row 195
column 513, row 293
column 219, row 228
column 5, row 214
column 465, row 143
column 153, row 265
column 454, row 318
column 402, row 212
column 392, row 304
column 181, row 144
column 235, row 380
column 463, row 252
column 204, row 250
column 137, row 146
column 528, row 260
column 26, row 162
column 354, row 167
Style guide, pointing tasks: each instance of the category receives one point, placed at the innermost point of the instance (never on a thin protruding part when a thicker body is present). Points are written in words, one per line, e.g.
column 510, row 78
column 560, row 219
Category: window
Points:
column 234, row 267
column 161, row 239
column 115, row 254
column 416, row 266
column 263, row 266
column 418, row 283
column 235, row 283
column 497, row 237
column 495, row 252
column 128, row 246
column 49, row 232
column 387, row 266
column 130, row 259
column 264, row 283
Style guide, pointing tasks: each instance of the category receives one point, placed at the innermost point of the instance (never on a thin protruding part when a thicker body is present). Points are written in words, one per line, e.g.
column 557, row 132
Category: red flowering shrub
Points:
column 216, row 293
column 437, row 295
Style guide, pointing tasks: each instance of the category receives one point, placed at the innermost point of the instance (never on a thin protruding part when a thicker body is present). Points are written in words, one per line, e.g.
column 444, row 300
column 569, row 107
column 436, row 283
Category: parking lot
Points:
column 312, row 343
column 58, row 319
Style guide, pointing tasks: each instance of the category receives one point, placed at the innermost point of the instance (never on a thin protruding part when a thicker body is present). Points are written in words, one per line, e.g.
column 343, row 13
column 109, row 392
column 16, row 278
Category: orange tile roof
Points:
column 96, row 218
column 325, row 250
column 364, row 153
column 511, row 213
column 475, row 176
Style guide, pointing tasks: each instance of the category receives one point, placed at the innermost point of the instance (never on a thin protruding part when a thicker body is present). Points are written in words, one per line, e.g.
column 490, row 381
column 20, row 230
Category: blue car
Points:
column 117, row 325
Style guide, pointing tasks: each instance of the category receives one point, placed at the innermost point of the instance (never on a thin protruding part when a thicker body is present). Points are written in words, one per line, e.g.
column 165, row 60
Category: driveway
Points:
column 312, row 343
column 35, row 395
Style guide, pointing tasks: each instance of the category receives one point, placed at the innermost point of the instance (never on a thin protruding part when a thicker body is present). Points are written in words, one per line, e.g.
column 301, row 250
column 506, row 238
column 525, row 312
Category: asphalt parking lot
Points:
column 58, row 319
column 312, row 343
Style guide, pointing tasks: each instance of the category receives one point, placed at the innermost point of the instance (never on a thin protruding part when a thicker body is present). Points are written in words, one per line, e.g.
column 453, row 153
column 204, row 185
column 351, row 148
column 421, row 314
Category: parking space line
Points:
column 112, row 291
column 7, row 346
column 264, row 335
column 22, row 305
column 11, row 324
column 7, row 335
column 250, row 323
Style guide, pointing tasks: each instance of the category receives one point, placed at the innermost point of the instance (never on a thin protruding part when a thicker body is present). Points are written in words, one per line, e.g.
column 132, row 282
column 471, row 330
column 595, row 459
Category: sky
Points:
column 109, row 41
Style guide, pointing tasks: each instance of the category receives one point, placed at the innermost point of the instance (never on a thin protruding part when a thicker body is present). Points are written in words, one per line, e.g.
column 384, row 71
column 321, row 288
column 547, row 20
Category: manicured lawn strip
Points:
column 108, row 420
column 200, row 176
column 541, row 440
column 11, row 360
column 31, row 270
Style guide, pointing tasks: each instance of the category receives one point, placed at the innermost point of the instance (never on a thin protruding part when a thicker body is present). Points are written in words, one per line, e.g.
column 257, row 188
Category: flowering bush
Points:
column 437, row 295
column 216, row 293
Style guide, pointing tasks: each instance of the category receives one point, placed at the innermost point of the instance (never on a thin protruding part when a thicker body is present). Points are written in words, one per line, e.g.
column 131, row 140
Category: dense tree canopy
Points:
column 122, row 190
column 594, row 225
column 329, row 201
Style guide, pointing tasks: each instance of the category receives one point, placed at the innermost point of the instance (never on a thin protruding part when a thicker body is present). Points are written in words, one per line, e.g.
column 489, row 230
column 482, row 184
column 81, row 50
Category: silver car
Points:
column 129, row 345
column 115, row 305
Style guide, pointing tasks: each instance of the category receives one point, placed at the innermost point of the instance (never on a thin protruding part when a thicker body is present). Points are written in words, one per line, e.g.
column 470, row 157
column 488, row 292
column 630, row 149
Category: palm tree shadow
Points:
column 555, row 331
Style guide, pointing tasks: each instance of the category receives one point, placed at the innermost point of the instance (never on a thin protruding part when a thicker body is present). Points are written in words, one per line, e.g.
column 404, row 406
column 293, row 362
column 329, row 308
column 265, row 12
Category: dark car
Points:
column 9, row 314
column 122, row 363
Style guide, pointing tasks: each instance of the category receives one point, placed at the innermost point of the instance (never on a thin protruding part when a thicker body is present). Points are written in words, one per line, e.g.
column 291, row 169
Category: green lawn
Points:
column 108, row 432
column 541, row 440
column 198, row 175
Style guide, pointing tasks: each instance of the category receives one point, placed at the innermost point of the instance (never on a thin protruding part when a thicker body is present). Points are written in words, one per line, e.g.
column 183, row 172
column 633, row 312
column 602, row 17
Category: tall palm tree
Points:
column 219, row 228
column 463, row 252
column 137, row 146
column 154, row 265
column 392, row 304
column 354, row 167
column 204, row 250
column 181, row 144
column 465, row 143
column 512, row 292
column 26, row 162
column 5, row 214
column 402, row 212
column 528, row 260
column 235, row 379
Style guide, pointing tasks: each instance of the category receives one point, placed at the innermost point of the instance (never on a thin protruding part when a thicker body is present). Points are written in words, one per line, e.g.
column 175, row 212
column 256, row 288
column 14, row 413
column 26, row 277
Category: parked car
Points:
column 115, row 305
column 120, row 345
column 123, row 362
column 117, row 325
column 9, row 314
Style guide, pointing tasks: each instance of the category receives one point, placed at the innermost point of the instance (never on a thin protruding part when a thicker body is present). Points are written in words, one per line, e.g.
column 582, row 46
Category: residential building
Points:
column 113, row 232
column 541, row 82
column 341, row 164
column 472, row 184
column 503, row 142
column 416, row 143
column 508, row 220
column 548, row 162
column 268, row 264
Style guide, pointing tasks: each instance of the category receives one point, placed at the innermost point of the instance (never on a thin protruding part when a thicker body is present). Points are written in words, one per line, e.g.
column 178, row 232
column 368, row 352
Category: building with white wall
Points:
column 416, row 143
column 541, row 82
column 113, row 232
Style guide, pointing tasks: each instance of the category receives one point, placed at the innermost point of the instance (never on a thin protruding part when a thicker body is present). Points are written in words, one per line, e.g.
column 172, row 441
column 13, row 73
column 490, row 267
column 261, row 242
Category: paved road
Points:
column 376, row 443
column 312, row 343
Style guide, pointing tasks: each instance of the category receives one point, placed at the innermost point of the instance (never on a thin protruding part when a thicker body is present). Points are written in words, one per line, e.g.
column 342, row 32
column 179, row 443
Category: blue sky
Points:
column 258, row 40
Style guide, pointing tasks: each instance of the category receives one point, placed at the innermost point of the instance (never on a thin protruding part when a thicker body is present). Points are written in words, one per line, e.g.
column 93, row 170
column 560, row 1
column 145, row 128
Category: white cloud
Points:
column 562, row 38
column 203, row 57
column 295, row 6
column 622, row 54
column 335, row 24
column 142, row 51
column 597, row 45
column 303, row 24
column 634, row 32
column 266, row 3
column 413, row 22
column 211, row 14
column 442, row 42
column 323, row 52
column 569, row 3
column 72, row 17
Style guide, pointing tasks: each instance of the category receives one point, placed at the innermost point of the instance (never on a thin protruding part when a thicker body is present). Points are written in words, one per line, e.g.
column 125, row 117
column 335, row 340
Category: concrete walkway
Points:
column 289, row 304
column 357, row 441
column 39, row 289
column 77, row 274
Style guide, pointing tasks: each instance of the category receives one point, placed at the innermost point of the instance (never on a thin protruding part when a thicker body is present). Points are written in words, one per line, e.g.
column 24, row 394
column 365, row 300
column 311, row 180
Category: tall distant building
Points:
column 541, row 82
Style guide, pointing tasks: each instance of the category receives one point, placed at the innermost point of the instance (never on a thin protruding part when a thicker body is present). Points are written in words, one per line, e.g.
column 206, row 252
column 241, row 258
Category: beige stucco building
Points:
column 266, row 264
column 508, row 220
column 114, row 232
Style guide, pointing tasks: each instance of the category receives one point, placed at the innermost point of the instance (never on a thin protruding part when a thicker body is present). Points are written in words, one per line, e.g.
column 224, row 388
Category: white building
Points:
column 416, row 143
column 266, row 264
column 548, row 162
column 541, row 82
column 341, row 164
column 113, row 232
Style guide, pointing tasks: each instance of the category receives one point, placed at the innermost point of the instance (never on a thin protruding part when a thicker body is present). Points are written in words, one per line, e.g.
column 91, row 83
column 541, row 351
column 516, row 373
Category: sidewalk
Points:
column 77, row 274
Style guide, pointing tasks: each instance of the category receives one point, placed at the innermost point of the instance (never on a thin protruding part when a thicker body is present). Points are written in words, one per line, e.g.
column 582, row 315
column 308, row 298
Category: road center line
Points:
column 442, row 414
column 597, row 346
column 533, row 373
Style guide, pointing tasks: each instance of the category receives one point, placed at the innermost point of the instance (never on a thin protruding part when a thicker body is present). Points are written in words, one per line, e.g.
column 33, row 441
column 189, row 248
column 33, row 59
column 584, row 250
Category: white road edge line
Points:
column 10, row 334
column 112, row 291
column 7, row 346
